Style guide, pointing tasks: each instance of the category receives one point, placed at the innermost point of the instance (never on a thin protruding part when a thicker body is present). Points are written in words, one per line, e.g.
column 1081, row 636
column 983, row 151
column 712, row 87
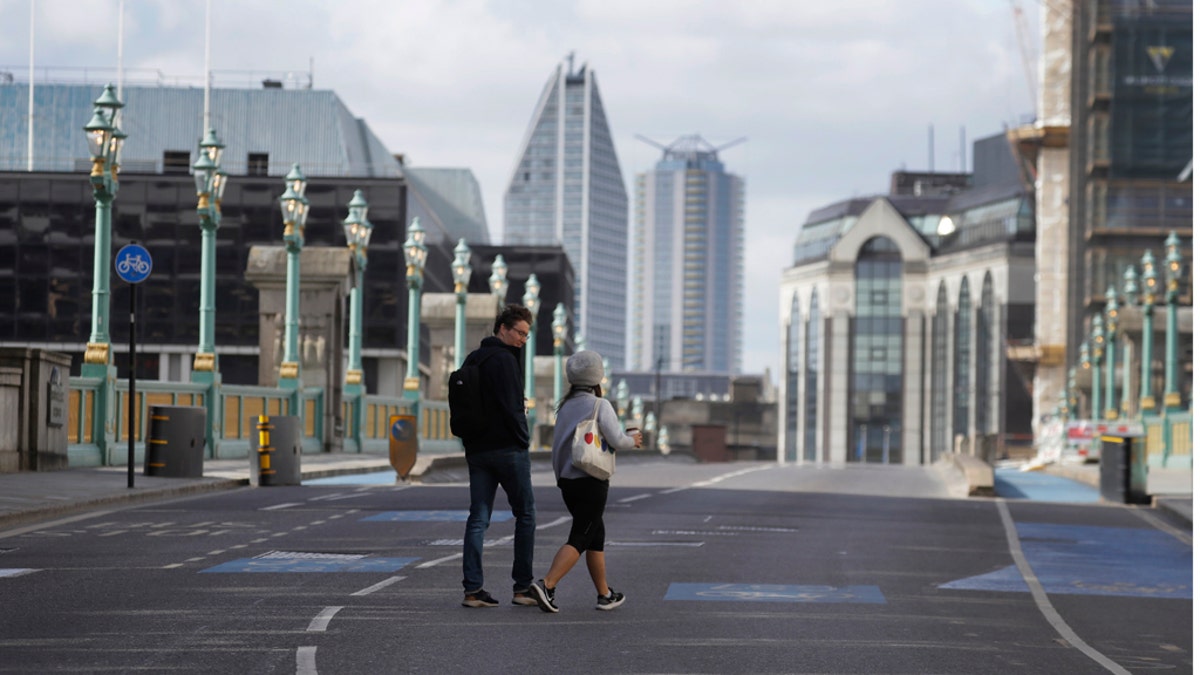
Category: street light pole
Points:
column 210, row 187
column 560, row 335
column 498, row 282
column 294, row 207
column 1110, row 352
column 461, row 271
column 415, row 254
column 1171, row 400
column 104, row 142
column 1097, row 354
column 533, row 303
column 1149, row 291
column 1130, row 293
column 358, row 237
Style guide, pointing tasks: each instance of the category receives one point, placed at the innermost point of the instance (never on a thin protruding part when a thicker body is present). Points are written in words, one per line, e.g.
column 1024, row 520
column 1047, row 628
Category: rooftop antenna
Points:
column 571, row 62
column 930, row 148
column 29, row 151
column 207, row 66
column 656, row 144
column 730, row 144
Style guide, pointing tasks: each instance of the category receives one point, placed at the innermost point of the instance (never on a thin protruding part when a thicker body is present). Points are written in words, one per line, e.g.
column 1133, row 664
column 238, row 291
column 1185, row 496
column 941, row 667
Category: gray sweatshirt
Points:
column 575, row 410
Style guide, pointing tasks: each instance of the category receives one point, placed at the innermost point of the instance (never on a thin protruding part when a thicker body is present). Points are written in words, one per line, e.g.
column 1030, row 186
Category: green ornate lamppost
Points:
column 1174, row 272
column 559, row 326
column 498, row 282
column 1149, row 296
column 622, row 400
column 1110, row 352
column 460, row 269
column 1130, row 296
column 210, row 188
column 415, row 254
column 358, row 237
column 294, row 206
column 104, row 144
column 1097, row 355
column 533, row 303
column 357, row 230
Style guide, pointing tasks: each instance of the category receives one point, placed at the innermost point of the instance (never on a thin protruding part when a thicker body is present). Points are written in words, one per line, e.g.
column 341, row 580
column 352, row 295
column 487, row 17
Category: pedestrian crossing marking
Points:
column 290, row 561
column 430, row 516
column 1092, row 560
column 776, row 593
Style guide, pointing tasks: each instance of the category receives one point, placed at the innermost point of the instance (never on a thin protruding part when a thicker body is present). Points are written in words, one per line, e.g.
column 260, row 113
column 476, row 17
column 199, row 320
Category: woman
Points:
column 584, row 495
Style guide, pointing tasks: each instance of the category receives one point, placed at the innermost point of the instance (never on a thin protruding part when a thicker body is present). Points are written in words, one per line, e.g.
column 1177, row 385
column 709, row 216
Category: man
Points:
column 500, row 457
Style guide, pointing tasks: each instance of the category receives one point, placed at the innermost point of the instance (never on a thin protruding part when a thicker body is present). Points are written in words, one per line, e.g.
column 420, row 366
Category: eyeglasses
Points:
column 523, row 333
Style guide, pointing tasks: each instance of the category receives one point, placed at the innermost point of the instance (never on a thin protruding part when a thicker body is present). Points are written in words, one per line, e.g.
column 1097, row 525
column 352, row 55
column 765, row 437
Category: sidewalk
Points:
column 1169, row 489
column 39, row 495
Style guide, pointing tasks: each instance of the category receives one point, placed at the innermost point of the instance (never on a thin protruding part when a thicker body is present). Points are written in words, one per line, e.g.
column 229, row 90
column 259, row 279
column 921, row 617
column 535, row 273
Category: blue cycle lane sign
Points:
column 133, row 263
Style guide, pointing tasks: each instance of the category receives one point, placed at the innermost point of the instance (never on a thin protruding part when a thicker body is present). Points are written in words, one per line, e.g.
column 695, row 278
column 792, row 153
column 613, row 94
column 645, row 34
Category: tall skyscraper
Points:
column 687, row 262
column 566, row 189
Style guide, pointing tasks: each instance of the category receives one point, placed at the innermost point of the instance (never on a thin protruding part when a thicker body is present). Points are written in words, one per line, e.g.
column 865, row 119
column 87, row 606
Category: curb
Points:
column 147, row 495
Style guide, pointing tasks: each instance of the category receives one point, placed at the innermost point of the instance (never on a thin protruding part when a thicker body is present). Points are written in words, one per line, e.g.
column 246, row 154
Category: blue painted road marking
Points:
column 1016, row 484
column 312, row 565
column 430, row 516
column 776, row 593
column 1088, row 560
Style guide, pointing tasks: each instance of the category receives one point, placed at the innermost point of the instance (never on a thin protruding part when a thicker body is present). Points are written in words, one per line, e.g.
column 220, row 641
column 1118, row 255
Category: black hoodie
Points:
column 503, row 380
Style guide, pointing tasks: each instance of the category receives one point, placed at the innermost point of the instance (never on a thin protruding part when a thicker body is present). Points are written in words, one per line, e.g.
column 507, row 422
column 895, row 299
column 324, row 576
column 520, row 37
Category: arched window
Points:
column 985, row 334
column 792, row 417
column 876, row 362
column 962, row 360
column 812, row 377
column 939, row 367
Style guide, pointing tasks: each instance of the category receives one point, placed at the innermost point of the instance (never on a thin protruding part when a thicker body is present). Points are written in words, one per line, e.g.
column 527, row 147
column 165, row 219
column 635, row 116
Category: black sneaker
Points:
column 544, row 596
column 611, row 601
column 524, row 598
column 479, row 598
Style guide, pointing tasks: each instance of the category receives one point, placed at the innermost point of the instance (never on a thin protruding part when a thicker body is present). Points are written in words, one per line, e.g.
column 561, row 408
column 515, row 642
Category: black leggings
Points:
column 585, row 499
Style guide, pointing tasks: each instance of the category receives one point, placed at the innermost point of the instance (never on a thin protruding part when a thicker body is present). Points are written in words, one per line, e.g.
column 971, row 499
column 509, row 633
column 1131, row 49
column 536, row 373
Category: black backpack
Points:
column 468, row 419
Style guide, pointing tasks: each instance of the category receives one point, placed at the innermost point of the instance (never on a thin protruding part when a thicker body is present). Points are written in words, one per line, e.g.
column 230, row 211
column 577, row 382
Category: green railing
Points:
column 1169, row 440
column 237, row 408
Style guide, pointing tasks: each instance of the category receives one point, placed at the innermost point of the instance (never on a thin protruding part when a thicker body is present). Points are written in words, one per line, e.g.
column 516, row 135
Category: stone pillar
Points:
column 41, row 410
column 325, row 277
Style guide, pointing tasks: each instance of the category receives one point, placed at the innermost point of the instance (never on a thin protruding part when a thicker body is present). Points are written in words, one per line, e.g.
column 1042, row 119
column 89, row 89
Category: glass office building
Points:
column 687, row 263
column 566, row 189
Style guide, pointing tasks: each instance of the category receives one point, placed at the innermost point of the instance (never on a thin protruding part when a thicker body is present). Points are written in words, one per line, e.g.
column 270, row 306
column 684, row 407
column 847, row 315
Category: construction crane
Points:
column 1028, row 53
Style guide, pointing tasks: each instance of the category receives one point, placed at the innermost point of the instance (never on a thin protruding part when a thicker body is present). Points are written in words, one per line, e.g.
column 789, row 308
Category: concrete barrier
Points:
column 980, row 476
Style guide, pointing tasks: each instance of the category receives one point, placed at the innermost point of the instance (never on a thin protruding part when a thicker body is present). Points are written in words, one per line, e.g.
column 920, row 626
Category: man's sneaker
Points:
column 525, row 598
column 544, row 596
column 479, row 598
column 611, row 601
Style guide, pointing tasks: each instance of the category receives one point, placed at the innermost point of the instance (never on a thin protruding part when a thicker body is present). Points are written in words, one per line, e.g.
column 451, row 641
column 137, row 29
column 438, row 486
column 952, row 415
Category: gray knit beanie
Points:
column 585, row 368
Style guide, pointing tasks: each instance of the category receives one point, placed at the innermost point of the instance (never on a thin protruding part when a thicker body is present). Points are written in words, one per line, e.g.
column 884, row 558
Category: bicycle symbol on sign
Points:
column 133, row 263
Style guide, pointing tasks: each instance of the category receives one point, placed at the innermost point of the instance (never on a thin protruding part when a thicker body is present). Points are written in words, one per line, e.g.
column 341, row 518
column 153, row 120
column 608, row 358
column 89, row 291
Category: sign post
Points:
column 402, row 443
column 133, row 265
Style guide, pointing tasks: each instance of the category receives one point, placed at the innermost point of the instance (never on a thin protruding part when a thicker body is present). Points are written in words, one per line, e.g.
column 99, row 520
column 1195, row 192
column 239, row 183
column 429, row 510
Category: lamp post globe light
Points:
column 210, row 187
column 460, row 269
column 498, row 282
column 104, row 144
column 294, row 206
column 559, row 325
column 1110, row 352
column 358, row 230
column 1149, row 296
column 415, row 254
column 622, row 400
column 1174, row 272
column 533, row 303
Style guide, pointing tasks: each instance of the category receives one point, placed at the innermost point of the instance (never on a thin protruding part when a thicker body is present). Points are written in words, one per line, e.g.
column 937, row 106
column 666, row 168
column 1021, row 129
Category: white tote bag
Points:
column 589, row 451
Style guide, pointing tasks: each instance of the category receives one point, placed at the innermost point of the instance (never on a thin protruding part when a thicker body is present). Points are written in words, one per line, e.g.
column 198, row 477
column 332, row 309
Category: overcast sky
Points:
column 831, row 96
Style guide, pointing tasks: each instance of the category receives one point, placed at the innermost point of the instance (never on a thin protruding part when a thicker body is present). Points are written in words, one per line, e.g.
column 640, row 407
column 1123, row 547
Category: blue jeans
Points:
column 508, row 468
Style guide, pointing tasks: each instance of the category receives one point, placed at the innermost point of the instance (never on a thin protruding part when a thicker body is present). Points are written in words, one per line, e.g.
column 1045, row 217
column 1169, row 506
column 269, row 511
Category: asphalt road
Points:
column 728, row 569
